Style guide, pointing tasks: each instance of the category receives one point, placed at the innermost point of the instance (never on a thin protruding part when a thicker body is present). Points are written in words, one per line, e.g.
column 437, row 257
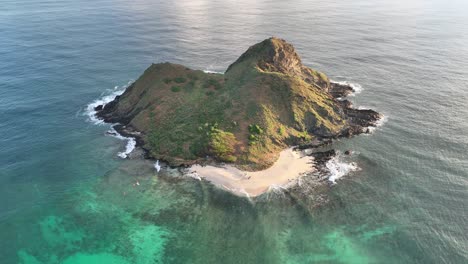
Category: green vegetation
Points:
column 252, row 109
column 193, row 76
column 255, row 132
column 212, row 83
column 255, row 129
column 246, row 116
column 180, row 79
column 175, row 89
column 222, row 145
column 281, row 131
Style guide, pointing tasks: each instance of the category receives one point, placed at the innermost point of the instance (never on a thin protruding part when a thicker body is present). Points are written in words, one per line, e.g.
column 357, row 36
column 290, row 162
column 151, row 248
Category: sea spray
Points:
column 338, row 168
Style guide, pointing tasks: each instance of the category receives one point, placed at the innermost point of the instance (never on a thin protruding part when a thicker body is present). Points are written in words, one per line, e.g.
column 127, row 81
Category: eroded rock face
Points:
column 280, row 57
column 266, row 101
column 276, row 55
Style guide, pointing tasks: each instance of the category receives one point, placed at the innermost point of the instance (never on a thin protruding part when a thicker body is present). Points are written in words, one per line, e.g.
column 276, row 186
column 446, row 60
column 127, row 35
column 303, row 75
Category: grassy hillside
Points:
column 267, row 100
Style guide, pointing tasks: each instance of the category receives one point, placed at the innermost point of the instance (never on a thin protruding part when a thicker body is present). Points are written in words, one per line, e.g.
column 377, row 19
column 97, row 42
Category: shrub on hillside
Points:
column 222, row 145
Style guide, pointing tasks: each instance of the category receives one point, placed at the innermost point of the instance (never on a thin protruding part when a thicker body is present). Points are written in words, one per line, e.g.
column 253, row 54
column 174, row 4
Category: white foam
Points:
column 383, row 119
column 363, row 107
column 210, row 71
column 276, row 188
column 157, row 166
column 338, row 168
column 105, row 98
column 194, row 175
column 131, row 144
column 240, row 191
column 356, row 87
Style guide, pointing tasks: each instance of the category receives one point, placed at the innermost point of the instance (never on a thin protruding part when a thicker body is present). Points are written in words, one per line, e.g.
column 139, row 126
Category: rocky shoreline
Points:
column 359, row 119
column 267, row 101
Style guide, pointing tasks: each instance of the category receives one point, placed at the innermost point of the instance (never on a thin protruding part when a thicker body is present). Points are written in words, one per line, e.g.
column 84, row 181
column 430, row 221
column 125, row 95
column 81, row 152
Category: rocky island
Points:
column 266, row 101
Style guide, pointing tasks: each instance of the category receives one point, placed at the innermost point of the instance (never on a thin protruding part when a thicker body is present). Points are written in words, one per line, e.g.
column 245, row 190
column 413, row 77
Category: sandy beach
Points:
column 289, row 166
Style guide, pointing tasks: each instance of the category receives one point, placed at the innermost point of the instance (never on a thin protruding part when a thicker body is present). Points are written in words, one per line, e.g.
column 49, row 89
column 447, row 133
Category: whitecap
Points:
column 338, row 168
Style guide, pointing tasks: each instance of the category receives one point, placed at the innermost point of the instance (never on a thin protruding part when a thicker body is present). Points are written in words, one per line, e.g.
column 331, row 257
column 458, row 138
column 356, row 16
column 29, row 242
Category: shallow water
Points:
column 285, row 172
column 66, row 197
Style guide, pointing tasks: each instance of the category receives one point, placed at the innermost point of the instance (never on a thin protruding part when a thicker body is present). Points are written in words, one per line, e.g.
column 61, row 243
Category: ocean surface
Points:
column 67, row 197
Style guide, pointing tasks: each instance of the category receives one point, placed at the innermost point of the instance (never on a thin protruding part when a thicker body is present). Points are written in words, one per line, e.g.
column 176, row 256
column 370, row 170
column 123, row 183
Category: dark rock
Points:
column 340, row 90
column 347, row 152
column 362, row 117
column 316, row 143
column 320, row 160
column 346, row 104
column 332, row 119
column 323, row 154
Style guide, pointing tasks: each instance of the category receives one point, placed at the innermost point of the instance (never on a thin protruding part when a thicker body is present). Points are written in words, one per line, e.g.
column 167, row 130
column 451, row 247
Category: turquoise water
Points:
column 65, row 196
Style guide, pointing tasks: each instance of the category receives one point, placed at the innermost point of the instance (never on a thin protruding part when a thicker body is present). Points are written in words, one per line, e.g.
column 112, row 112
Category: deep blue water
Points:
column 62, row 184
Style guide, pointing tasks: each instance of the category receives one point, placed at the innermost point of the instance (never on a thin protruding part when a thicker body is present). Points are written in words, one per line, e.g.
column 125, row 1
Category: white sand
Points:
column 289, row 166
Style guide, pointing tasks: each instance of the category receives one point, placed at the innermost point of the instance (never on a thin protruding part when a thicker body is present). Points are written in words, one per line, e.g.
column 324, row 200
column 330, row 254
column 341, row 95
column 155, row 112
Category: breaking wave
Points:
column 339, row 168
column 131, row 143
column 378, row 124
column 105, row 98
column 210, row 71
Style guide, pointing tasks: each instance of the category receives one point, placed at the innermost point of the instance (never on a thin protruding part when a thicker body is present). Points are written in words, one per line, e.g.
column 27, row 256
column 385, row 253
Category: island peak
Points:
column 273, row 55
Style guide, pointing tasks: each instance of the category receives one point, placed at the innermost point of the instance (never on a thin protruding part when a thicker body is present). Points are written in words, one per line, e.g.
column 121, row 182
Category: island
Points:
column 264, row 104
